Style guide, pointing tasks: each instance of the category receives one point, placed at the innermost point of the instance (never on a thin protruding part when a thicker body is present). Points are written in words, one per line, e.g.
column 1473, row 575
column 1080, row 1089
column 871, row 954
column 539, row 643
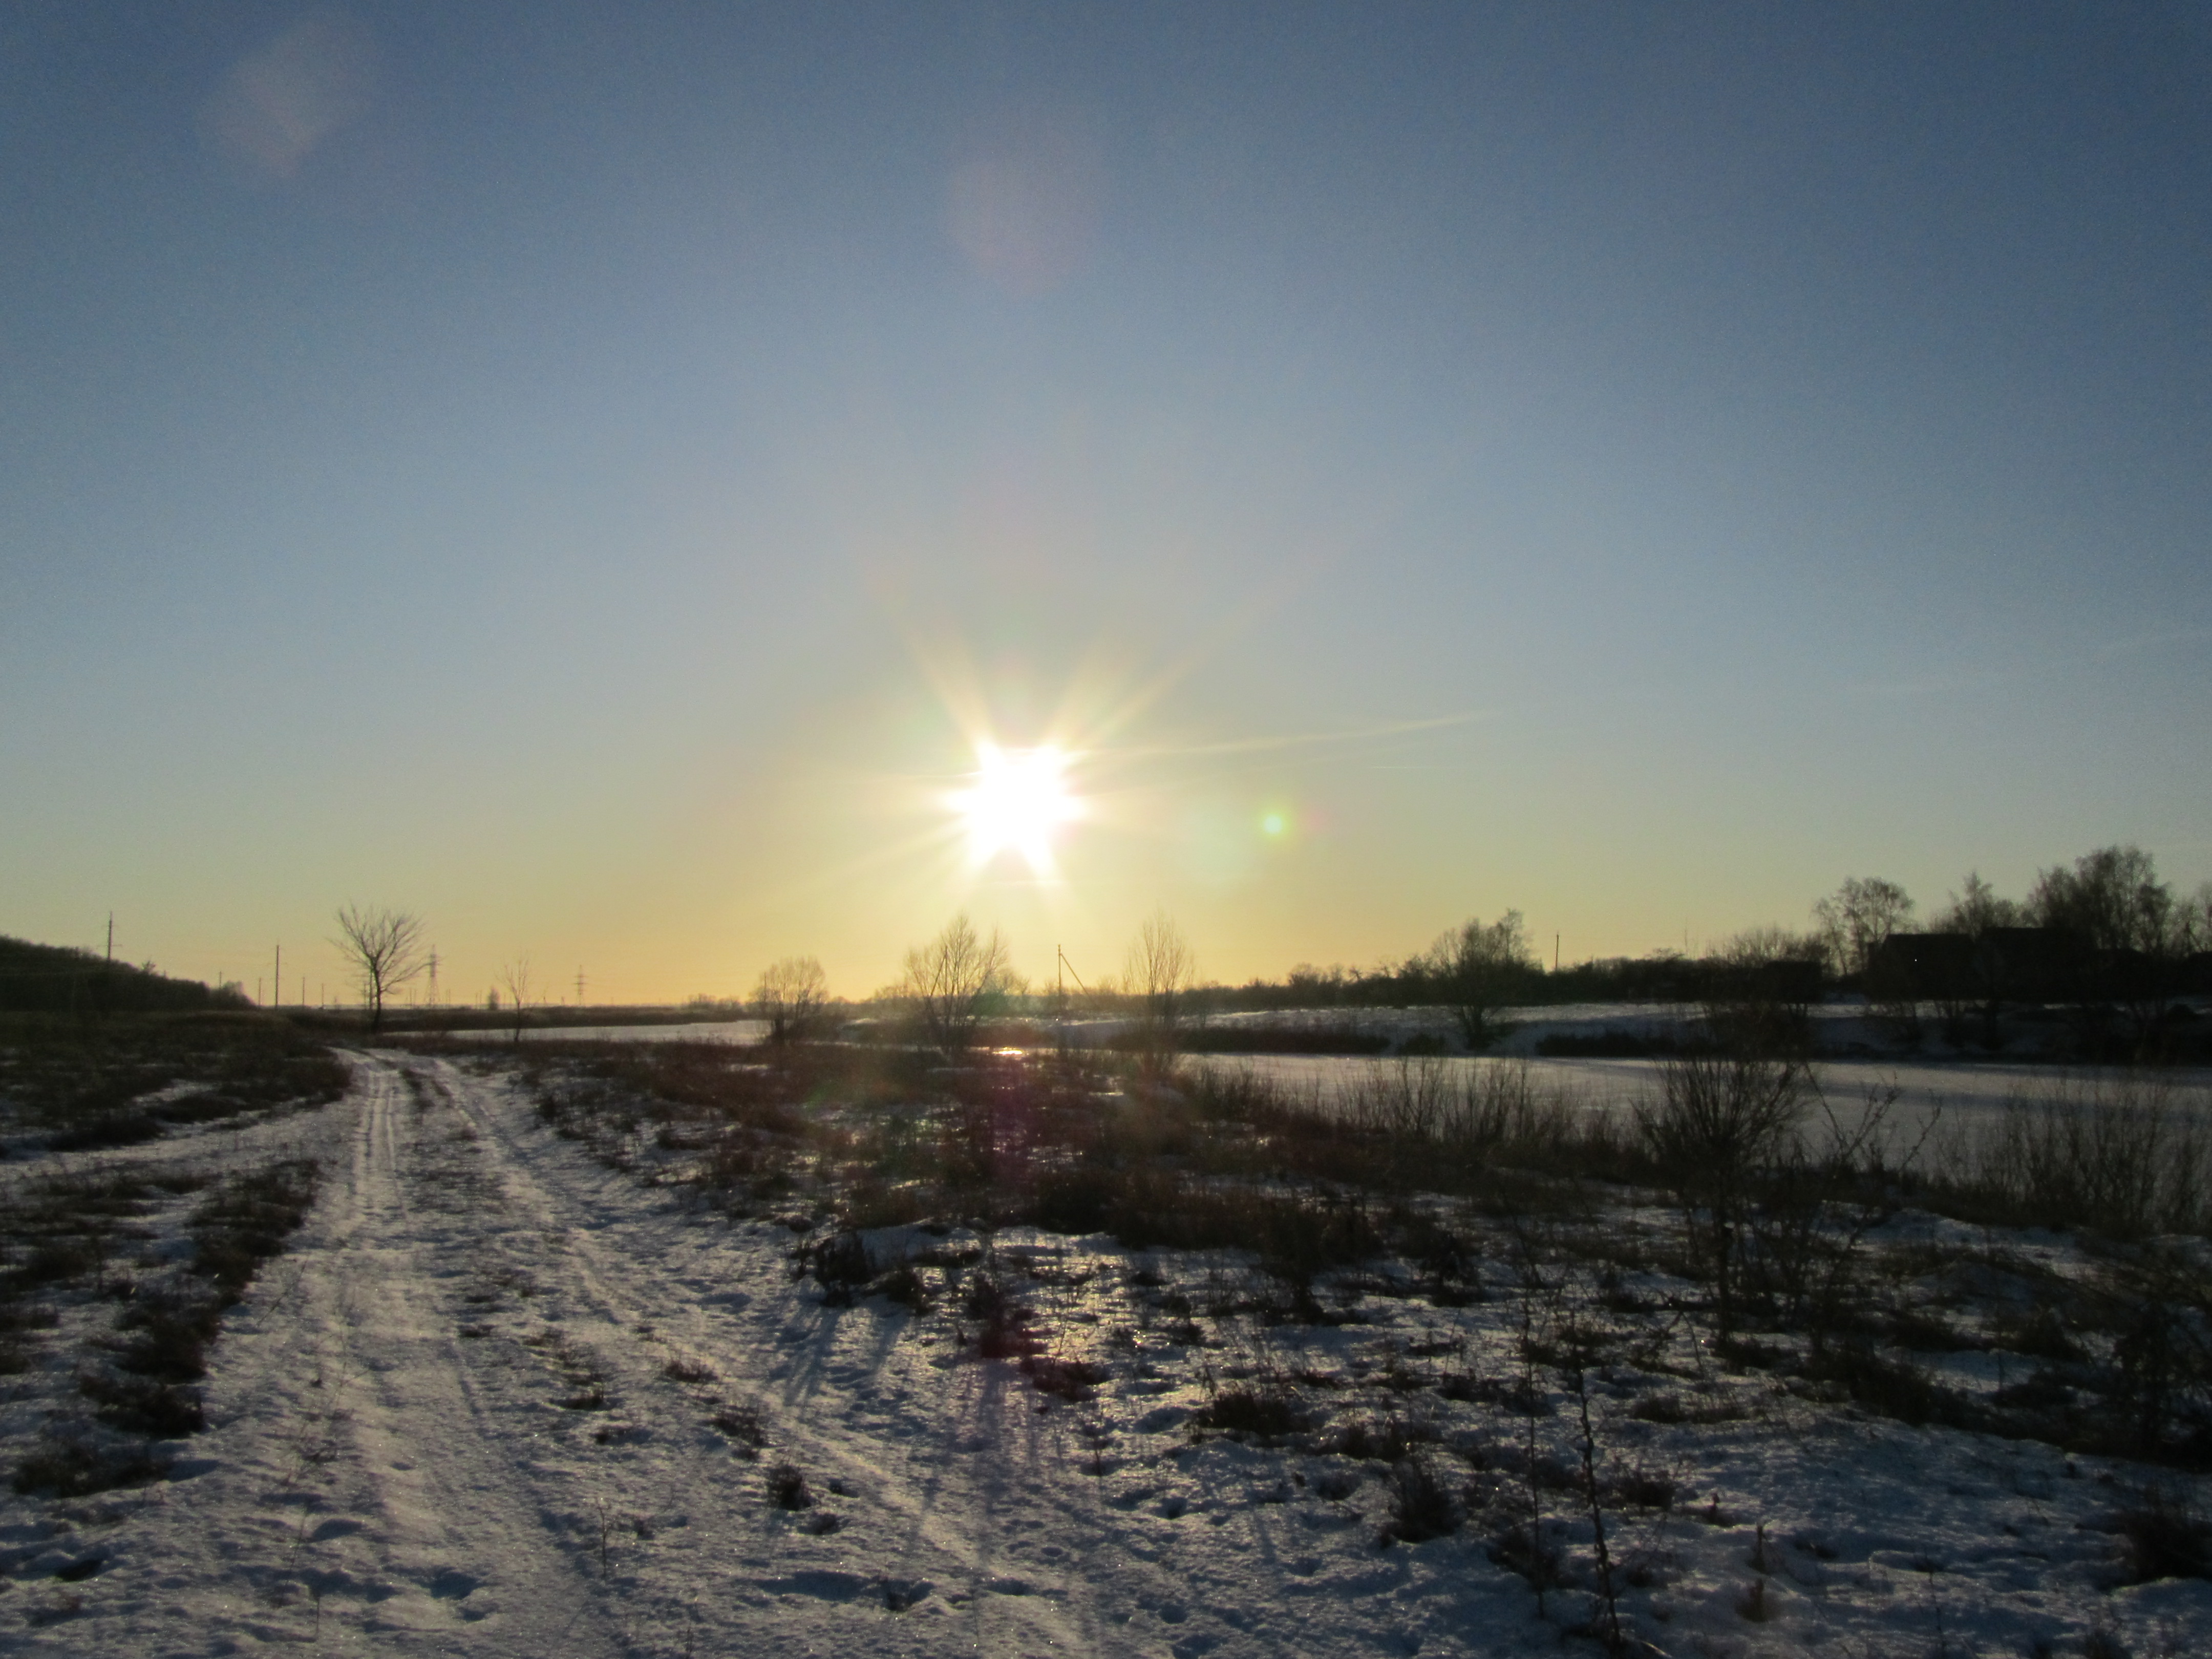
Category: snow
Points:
column 390, row 1469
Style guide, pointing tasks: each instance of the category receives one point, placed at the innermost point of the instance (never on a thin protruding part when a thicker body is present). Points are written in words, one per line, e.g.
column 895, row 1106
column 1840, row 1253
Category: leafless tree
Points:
column 953, row 980
column 515, row 976
column 1975, row 909
column 1957, row 986
column 2111, row 900
column 1857, row 919
column 1721, row 1120
column 1159, row 972
column 1478, row 968
column 2193, row 921
column 1760, row 986
column 791, row 996
column 2128, row 937
column 384, row 949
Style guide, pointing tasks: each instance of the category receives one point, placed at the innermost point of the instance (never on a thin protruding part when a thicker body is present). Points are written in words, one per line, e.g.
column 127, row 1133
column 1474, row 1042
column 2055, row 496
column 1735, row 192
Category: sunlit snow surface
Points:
column 397, row 1465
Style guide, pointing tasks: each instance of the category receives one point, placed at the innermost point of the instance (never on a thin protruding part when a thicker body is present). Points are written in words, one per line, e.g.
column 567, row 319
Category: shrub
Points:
column 1643, row 1489
column 73, row 1468
column 1421, row 1507
column 56, row 1260
column 1388, row 1441
column 107, row 1131
column 1895, row 1387
column 245, row 1220
column 1722, row 1120
column 2165, row 1539
column 787, row 1488
column 907, row 1287
column 1243, row 1411
column 1072, row 1380
column 840, row 1266
column 171, row 1334
column 142, row 1405
column 1004, row 1333
column 742, row 1424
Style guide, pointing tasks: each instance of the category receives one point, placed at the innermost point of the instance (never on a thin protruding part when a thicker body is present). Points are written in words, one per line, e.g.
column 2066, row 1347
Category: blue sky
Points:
column 588, row 474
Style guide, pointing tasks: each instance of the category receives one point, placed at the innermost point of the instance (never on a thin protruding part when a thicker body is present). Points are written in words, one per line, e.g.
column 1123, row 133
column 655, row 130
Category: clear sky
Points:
column 590, row 474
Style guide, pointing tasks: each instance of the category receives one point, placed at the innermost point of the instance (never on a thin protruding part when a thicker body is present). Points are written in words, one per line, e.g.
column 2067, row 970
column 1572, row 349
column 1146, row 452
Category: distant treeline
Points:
column 1666, row 976
column 54, row 979
column 2106, row 916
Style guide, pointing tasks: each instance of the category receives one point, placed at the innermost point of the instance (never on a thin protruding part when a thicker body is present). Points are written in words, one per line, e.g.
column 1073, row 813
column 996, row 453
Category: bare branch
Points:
column 384, row 949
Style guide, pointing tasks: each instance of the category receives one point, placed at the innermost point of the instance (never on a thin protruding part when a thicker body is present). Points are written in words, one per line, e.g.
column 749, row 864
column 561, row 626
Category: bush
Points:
column 2165, row 1539
column 1005, row 1321
column 107, row 1131
column 1242, row 1410
column 72, row 1467
column 907, row 1287
column 743, row 1426
column 787, row 1488
column 142, row 1405
column 171, row 1334
column 1072, row 1380
column 1895, row 1387
column 245, row 1221
column 1421, row 1507
column 841, row 1267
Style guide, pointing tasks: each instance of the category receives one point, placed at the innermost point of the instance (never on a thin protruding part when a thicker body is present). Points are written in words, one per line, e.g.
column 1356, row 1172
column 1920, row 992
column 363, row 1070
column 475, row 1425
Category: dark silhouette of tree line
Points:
column 55, row 979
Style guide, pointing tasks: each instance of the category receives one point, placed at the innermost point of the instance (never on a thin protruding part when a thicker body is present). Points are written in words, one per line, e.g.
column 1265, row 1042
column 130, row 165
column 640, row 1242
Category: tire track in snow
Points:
column 458, row 1531
column 938, row 1501
column 351, row 1493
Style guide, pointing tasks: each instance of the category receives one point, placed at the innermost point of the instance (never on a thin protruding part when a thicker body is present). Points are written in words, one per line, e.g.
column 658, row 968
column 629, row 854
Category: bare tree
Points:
column 515, row 976
column 953, row 980
column 1479, row 967
column 1159, row 972
column 2111, row 900
column 1722, row 1120
column 2127, row 937
column 384, row 949
column 1760, row 986
column 1857, row 919
column 2193, row 921
column 791, row 996
column 1975, row 909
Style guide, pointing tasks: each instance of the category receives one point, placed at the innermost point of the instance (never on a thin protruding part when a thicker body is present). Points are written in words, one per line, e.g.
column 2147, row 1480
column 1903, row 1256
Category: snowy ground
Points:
column 474, row 1409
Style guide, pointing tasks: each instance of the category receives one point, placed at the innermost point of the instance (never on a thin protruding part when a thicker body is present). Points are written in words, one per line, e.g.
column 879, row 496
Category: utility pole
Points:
column 277, row 981
column 580, row 985
column 1065, row 970
column 434, row 977
column 111, row 939
column 1555, row 953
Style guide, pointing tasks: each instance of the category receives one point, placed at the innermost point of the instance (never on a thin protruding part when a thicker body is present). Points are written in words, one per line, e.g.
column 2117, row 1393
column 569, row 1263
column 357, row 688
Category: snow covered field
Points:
column 498, row 1397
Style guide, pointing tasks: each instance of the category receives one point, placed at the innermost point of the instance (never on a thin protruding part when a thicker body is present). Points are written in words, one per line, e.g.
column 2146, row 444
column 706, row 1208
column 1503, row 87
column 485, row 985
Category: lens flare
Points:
column 1016, row 799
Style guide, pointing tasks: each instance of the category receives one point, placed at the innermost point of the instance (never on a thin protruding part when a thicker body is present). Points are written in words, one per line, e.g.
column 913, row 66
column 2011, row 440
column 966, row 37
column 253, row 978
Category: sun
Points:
column 1016, row 799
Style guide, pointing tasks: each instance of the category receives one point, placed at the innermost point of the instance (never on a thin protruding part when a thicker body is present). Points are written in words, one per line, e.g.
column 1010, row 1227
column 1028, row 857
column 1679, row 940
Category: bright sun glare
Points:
column 1016, row 799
